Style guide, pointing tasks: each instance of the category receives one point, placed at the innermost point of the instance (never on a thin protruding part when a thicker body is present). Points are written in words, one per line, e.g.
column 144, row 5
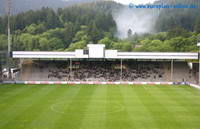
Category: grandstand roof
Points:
column 98, row 51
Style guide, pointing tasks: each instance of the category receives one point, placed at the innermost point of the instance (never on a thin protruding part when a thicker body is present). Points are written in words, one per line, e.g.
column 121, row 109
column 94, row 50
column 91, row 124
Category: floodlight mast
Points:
column 9, row 3
column 9, row 33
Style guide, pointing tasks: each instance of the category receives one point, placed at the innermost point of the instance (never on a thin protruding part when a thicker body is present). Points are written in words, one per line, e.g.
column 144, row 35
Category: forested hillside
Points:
column 185, row 18
column 19, row 6
column 73, row 27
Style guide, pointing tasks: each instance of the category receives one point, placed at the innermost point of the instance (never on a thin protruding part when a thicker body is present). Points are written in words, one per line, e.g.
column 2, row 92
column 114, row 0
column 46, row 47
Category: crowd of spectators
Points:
column 105, row 71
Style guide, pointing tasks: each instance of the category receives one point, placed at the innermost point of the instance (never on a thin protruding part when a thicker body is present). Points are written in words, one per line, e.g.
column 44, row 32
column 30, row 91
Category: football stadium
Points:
column 97, row 88
column 70, row 65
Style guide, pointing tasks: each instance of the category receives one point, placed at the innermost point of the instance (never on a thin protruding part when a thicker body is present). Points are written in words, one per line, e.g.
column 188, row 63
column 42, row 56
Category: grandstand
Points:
column 95, row 64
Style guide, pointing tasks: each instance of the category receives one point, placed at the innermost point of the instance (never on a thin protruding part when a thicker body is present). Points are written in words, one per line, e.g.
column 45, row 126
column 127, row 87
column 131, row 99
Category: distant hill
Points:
column 185, row 18
column 24, row 5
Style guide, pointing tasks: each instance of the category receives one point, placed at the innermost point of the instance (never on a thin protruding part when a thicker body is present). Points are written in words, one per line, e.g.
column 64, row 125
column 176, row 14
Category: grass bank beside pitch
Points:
column 99, row 107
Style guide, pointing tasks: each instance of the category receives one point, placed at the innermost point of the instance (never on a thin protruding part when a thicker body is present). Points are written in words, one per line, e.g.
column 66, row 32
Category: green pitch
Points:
column 99, row 107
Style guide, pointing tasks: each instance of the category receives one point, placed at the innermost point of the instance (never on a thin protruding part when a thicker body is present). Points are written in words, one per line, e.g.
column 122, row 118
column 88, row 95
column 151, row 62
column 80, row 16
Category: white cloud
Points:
column 134, row 1
column 139, row 21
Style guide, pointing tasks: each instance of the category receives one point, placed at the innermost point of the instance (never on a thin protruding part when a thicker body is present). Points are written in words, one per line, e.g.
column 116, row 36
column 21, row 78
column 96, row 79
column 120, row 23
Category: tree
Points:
column 2, row 25
column 129, row 33
column 40, row 28
column 3, row 42
column 197, row 26
column 177, row 43
column 178, row 31
column 77, row 45
column 55, row 44
column 31, row 29
column 155, row 45
column 79, row 35
column 43, row 44
column 160, row 36
column 122, row 46
column 106, row 41
column 69, row 33
column 27, row 41
column 144, row 45
column 166, row 46
column 126, row 46
column 52, row 19
column 94, row 33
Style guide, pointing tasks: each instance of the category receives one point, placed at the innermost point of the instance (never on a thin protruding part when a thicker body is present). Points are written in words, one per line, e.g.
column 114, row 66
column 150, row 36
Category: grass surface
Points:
column 99, row 107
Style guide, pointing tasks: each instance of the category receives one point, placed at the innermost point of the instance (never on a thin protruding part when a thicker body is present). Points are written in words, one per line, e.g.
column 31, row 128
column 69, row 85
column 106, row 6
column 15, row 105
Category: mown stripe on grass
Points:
column 137, row 112
column 160, row 114
column 192, row 90
column 47, row 117
column 22, row 103
column 191, row 94
column 181, row 96
column 11, row 93
column 120, row 119
column 190, row 117
column 74, row 111
column 13, row 101
column 33, row 111
column 8, row 89
column 165, row 102
column 95, row 113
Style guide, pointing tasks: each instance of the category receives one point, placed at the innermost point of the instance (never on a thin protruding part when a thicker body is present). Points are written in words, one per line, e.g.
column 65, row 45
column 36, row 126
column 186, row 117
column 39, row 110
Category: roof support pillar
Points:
column 172, row 69
column 71, row 76
column 121, row 70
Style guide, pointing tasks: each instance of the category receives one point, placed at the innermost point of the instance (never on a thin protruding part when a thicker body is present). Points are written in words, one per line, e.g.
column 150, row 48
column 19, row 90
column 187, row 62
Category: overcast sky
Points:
column 134, row 1
column 127, row 2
